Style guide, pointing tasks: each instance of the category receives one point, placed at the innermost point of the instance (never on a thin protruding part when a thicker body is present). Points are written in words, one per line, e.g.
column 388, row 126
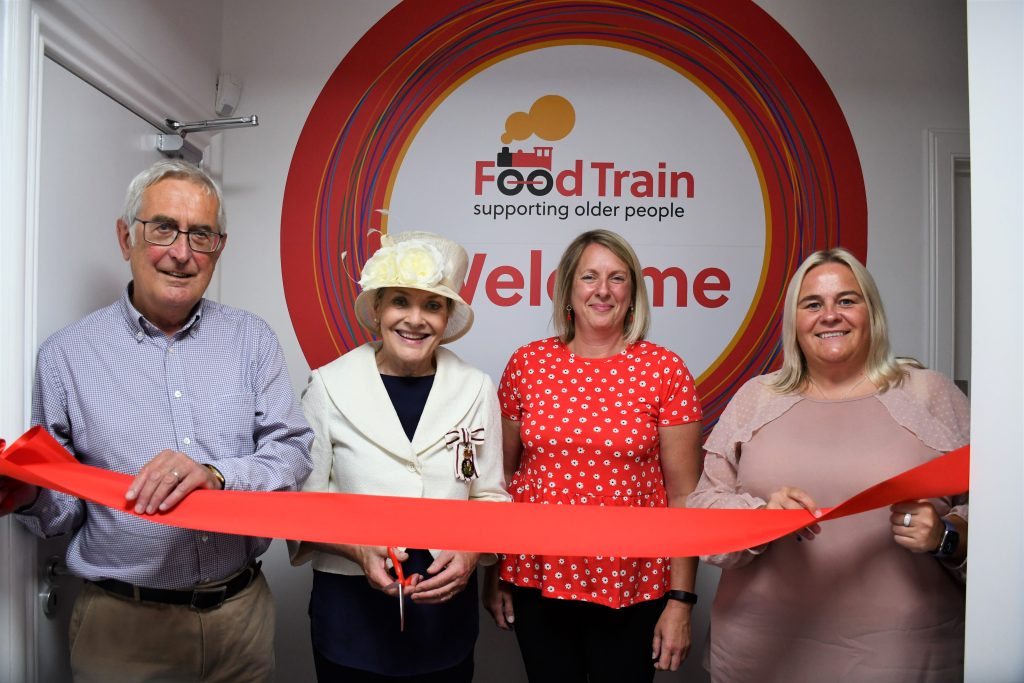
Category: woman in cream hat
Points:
column 401, row 416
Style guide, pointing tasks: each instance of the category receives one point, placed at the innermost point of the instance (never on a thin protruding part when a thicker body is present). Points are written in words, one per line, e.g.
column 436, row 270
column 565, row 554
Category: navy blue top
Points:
column 357, row 626
column 408, row 396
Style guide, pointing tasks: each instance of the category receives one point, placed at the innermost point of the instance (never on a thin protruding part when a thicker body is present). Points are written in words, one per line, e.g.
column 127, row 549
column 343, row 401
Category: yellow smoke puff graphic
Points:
column 551, row 117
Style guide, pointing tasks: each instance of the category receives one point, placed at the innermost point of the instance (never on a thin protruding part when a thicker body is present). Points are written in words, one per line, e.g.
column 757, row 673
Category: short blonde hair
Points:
column 636, row 326
column 882, row 368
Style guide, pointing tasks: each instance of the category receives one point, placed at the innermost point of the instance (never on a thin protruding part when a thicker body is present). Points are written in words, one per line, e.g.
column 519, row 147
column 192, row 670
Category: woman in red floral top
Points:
column 598, row 416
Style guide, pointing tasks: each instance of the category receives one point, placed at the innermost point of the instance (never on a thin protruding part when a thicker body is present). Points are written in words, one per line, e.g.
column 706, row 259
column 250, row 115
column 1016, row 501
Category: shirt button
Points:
column 205, row 538
column 177, row 394
column 186, row 441
column 411, row 468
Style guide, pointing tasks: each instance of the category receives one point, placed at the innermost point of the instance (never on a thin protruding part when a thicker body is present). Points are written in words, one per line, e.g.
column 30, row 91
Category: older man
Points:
column 185, row 394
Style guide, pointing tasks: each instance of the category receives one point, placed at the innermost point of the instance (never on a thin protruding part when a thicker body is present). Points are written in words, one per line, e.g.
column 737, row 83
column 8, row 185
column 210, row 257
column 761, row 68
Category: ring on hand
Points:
column 906, row 519
column 177, row 478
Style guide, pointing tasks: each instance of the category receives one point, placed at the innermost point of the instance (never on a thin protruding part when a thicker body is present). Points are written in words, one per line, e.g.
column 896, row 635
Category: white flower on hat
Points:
column 419, row 264
column 410, row 263
column 378, row 269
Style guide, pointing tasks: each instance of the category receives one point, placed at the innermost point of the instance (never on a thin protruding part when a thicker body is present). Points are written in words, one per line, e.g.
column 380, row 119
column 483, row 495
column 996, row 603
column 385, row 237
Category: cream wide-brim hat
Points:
column 416, row 260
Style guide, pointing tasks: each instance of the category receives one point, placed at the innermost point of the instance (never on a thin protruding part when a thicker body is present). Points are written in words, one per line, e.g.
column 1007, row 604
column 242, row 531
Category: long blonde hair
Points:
column 882, row 368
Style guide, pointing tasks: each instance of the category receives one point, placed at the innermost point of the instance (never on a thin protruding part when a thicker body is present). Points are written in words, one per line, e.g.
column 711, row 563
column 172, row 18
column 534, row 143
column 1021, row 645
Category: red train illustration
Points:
column 512, row 181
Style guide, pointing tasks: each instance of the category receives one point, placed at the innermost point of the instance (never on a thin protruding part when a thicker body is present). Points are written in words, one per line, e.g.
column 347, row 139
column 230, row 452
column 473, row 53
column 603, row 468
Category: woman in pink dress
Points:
column 875, row 597
column 598, row 416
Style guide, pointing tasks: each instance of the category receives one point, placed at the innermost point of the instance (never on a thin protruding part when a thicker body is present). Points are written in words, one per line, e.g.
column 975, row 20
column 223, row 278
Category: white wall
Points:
column 897, row 69
column 995, row 609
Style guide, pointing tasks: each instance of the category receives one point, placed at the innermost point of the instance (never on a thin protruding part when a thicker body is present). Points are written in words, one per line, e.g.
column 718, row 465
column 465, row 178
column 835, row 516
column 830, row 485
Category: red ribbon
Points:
column 475, row 526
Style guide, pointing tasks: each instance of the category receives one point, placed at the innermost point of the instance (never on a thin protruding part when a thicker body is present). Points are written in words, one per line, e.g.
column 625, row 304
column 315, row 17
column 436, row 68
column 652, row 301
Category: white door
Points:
column 90, row 148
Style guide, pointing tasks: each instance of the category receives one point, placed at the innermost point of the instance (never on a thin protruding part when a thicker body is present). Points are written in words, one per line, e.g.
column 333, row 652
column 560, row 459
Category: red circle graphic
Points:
column 348, row 153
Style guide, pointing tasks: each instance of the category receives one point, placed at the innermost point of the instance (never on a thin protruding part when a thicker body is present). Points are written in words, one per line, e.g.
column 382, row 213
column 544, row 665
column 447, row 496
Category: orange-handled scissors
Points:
column 402, row 582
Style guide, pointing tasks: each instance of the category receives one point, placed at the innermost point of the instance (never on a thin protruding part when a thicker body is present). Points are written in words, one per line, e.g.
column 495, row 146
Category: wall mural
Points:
column 698, row 129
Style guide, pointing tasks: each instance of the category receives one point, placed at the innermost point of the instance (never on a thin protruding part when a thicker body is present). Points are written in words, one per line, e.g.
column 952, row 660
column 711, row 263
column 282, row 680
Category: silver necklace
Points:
column 844, row 396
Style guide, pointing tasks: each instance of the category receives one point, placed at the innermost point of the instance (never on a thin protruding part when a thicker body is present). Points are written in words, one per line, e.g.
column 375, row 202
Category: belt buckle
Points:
column 204, row 599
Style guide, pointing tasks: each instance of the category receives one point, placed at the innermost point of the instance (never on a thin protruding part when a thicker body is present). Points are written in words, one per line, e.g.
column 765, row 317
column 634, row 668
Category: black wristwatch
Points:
column 950, row 540
column 682, row 596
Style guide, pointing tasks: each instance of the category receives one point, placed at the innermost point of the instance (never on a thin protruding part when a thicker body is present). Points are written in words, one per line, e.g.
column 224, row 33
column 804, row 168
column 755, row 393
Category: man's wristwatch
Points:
column 950, row 540
column 216, row 475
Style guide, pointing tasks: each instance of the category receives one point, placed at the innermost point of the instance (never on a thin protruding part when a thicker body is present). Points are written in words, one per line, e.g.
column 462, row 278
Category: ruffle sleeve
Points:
column 932, row 407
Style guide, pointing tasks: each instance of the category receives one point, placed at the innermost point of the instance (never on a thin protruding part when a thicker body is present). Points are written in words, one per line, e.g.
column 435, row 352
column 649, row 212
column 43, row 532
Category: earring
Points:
column 568, row 313
column 629, row 317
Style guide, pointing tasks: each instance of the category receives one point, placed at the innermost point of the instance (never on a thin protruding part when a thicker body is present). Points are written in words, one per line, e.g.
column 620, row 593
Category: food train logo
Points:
column 552, row 118
column 532, row 175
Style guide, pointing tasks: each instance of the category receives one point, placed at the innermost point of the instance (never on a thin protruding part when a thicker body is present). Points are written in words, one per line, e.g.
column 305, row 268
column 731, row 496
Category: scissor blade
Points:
column 401, row 607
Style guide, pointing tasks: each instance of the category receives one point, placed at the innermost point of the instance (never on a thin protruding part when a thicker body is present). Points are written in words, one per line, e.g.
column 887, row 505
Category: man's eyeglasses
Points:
column 164, row 233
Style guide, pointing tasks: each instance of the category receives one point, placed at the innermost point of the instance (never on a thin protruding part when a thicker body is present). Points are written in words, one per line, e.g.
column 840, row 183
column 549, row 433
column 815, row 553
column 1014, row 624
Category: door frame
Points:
column 945, row 149
column 65, row 31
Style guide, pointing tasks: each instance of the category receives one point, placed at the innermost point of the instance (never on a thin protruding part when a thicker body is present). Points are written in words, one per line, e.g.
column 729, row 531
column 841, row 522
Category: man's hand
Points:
column 165, row 480
column 15, row 494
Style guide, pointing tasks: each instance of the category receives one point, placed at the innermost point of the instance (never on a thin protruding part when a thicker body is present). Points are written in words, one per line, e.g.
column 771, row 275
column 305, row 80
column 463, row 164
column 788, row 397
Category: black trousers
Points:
column 570, row 641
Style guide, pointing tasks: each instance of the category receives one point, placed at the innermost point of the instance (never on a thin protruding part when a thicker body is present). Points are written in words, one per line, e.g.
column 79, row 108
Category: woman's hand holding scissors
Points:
column 374, row 561
column 447, row 576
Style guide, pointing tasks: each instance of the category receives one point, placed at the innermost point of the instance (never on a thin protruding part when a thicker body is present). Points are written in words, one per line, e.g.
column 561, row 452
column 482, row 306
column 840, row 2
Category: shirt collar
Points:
column 140, row 328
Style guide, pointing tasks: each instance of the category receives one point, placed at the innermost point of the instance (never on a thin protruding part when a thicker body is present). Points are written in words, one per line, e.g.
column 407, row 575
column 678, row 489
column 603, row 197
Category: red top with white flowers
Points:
column 589, row 428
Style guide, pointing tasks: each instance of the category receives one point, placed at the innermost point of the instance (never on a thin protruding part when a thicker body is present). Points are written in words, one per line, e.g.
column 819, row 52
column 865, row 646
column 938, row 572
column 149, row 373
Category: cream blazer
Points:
column 360, row 446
